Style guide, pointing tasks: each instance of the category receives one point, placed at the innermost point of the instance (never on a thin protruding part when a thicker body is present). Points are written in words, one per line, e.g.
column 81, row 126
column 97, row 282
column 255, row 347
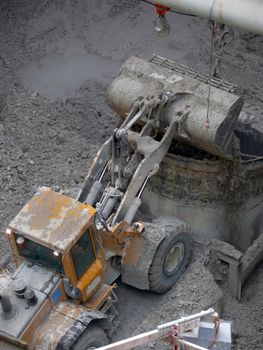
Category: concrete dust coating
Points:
column 57, row 76
column 53, row 118
column 195, row 291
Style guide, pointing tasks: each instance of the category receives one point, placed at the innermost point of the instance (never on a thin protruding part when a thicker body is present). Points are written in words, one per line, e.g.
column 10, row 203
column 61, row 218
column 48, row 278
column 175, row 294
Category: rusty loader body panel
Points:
column 58, row 287
column 54, row 220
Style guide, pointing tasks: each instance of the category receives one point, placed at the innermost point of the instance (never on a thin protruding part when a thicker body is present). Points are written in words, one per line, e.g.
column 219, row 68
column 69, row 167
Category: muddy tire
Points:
column 94, row 337
column 171, row 257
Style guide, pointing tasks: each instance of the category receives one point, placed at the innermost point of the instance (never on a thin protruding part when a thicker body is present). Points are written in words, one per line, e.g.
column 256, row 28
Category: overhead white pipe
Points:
column 244, row 14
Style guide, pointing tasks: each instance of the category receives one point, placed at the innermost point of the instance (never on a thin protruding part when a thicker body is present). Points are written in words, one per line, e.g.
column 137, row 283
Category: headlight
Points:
column 8, row 231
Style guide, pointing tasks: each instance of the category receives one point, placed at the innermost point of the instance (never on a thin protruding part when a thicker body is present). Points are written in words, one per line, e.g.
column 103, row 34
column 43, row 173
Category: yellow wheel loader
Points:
column 69, row 251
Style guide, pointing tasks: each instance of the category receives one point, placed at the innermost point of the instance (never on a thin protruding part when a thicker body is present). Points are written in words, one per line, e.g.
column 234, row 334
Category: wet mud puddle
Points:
column 60, row 76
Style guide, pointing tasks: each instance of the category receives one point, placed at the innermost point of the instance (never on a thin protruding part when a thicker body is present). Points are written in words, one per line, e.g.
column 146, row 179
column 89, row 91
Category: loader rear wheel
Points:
column 93, row 337
column 171, row 259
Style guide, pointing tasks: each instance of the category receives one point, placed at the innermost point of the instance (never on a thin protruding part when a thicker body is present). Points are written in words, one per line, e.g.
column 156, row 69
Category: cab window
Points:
column 96, row 239
column 83, row 254
column 39, row 254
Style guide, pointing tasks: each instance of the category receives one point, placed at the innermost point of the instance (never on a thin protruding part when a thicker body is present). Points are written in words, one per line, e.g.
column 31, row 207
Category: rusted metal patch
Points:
column 52, row 219
column 98, row 298
column 72, row 334
column 70, row 310
column 51, row 331
column 62, row 327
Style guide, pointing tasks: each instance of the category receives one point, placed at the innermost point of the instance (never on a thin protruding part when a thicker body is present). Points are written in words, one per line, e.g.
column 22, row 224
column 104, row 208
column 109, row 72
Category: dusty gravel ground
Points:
column 56, row 60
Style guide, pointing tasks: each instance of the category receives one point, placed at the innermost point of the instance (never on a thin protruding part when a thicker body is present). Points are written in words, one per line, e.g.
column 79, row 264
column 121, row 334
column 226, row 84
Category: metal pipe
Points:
column 103, row 172
column 160, row 332
column 136, row 202
column 94, row 193
column 108, row 201
column 187, row 318
column 8, row 311
column 133, row 210
column 71, row 291
column 131, row 122
column 96, row 189
column 243, row 14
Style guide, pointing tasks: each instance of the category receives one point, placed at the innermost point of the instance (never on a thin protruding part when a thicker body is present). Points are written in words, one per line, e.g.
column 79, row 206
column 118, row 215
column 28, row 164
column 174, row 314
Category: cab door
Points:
column 88, row 267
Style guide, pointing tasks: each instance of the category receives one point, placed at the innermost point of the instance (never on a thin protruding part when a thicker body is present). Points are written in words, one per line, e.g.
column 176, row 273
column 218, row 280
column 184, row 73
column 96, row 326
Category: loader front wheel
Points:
column 170, row 260
column 93, row 337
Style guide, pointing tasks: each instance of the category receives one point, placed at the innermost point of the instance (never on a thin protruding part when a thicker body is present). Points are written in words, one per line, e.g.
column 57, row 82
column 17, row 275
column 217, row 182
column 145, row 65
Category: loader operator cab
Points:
column 58, row 233
column 38, row 254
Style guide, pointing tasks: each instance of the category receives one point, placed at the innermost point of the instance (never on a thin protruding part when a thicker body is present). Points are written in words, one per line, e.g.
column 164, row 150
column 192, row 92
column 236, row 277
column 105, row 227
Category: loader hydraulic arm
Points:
column 159, row 101
column 131, row 157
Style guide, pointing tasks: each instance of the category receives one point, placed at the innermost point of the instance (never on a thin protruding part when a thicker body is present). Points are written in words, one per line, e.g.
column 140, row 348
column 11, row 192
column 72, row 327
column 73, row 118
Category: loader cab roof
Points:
column 53, row 220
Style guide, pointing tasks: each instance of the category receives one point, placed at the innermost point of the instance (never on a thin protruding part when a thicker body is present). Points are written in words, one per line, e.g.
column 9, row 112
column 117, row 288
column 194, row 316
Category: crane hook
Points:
column 161, row 25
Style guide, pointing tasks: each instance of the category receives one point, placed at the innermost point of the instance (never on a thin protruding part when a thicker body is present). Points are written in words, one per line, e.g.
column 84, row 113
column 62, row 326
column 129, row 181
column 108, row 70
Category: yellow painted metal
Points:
column 58, row 222
column 35, row 322
column 55, row 325
column 97, row 300
column 12, row 243
column 53, row 220
column 114, row 238
column 91, row 280
column 69, row 268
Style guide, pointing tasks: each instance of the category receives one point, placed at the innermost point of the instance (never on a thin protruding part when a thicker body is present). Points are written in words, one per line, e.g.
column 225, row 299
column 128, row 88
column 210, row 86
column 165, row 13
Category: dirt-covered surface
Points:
column 56, row 60
column 188, row 296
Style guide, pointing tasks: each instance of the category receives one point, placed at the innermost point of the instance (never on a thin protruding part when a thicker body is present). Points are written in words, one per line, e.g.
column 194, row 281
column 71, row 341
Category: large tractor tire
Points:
column 172, row 255
column 93, row 337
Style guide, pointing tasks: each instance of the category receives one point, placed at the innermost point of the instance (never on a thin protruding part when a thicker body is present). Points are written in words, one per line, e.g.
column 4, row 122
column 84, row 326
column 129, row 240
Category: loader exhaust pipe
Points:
column 8, row 311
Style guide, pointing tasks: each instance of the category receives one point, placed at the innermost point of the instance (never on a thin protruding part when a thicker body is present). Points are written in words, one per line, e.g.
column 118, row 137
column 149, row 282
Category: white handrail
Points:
column 161, row 331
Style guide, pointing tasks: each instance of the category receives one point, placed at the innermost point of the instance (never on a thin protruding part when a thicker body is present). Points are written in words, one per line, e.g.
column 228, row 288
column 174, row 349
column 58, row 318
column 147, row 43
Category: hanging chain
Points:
column 223, row 38
column 206, row 124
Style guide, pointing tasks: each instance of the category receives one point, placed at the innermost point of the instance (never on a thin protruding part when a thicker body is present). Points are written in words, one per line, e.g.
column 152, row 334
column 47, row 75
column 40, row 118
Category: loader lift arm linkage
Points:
column 132, row 157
